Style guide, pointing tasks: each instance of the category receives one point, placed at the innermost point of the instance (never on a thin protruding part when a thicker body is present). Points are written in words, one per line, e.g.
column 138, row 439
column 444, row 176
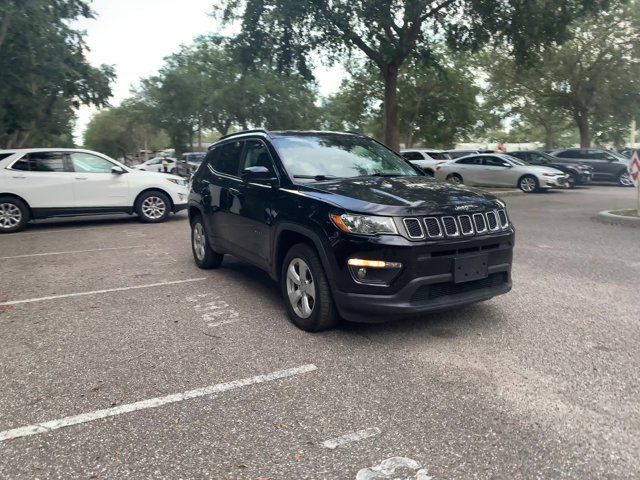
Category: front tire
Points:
column 153, row 207
column 528, row 184
column 624, row 179
column 306, row 291
column 14, row 215
column 455, row 179
column 204, row 256
column 573, row 181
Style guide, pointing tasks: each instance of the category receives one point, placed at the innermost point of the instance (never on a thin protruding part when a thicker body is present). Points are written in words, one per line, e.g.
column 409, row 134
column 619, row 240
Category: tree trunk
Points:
column 4, row 25
column 391, row 126
column 582, row 121
column 408, row 138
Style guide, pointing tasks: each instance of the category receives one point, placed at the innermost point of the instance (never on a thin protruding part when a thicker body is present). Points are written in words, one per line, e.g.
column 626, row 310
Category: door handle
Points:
column 235, row 192
column 82, row 178
column 21, row 177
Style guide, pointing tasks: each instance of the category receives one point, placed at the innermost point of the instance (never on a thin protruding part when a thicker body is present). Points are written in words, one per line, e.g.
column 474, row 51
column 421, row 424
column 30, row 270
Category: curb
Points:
column 607, row 217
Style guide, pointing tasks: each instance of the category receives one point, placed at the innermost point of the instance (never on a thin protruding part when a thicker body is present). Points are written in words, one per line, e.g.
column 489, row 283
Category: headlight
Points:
column 552, row 174
column 178, row 181
column 365, row 225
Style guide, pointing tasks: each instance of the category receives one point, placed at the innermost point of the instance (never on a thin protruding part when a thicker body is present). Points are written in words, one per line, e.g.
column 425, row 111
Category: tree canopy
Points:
column 44, row 74
column 390, row 32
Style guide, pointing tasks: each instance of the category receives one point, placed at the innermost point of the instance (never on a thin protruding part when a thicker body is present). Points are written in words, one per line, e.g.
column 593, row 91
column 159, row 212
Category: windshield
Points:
column 325, row 156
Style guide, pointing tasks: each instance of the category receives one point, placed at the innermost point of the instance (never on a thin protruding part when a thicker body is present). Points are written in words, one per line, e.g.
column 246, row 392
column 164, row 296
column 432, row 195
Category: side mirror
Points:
column 257, row 174
column 118, row 170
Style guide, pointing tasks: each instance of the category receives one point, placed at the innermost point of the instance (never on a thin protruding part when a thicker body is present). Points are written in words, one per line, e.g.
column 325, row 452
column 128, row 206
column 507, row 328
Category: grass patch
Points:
column 627, row 212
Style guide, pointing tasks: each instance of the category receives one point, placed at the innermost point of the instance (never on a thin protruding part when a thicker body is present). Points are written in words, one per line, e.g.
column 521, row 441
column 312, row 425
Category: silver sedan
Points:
column 499, row 170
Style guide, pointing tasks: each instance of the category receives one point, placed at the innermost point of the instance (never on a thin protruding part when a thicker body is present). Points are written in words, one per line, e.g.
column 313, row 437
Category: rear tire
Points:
column 14, row 215
column 153, row 207
column 455, row 179
column 528, row 184
column 306, row 291
column 204, row 256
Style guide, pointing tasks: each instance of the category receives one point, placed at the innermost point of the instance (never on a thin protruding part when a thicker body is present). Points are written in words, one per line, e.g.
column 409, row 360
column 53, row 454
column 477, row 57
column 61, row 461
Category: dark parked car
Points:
column 579, row 174
column 347, row 227
column 607, row 166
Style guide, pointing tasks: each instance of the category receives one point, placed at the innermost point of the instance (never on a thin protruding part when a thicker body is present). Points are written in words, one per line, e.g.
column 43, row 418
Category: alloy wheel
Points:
column 154, row 207
column 199, row 241
column 10, row 215
column 528, row 184
column 625, row 179
column 301, row 289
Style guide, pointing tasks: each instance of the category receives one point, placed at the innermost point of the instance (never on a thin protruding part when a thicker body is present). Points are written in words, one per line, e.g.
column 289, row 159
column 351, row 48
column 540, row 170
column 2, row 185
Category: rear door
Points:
column 605, row 165
column 470, row 169
column 94, row 185
column 221, row 195
column 43, row 179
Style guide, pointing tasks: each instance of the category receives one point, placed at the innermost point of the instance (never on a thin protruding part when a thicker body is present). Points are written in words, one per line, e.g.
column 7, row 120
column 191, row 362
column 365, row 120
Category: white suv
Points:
column 48, row 182
column 425, row 159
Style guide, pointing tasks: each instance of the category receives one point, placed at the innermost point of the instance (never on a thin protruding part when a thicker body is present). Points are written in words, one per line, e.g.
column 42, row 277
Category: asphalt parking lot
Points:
column 120, row 359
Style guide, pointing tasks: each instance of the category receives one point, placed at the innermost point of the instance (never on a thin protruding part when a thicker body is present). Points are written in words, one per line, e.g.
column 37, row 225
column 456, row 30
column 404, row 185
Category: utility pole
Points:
column 632, row 138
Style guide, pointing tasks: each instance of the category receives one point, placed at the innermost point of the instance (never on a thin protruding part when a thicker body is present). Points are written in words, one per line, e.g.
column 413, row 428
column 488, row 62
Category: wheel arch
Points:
column 288, row 235
column 152, row 189
column 18, row 197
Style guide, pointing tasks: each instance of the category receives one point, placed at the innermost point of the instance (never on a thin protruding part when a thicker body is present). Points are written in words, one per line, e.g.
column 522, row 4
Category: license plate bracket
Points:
column 467, row 269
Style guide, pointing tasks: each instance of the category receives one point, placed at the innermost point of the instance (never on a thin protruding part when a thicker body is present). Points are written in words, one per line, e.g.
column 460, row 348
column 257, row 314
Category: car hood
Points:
column 153, row 176
column 541, row 169
column 400, row 196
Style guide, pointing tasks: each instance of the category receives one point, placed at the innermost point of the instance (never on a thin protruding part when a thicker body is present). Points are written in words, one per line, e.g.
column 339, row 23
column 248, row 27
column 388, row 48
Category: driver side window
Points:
column 88, row 163
column 257, row 155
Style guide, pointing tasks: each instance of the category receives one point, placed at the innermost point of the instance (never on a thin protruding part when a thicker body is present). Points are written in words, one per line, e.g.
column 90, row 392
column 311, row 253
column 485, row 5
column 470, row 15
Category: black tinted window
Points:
column 5, row 155
column 228, row 160
column 439, row 156
column 470, row 161
column 41, row 162
column 569, row 154
column 494, row 162
column 413, row 156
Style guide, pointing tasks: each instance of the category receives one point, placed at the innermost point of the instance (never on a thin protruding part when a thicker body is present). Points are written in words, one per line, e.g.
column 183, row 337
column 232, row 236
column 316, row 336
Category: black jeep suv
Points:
column 347, row 227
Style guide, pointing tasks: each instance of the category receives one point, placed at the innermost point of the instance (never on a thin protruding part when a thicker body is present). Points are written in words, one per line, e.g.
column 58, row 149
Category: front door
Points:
column 94, row 185
column 255, row 204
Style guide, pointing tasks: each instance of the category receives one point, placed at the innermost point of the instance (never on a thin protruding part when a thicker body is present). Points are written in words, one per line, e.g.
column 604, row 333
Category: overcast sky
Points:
column 135, row 35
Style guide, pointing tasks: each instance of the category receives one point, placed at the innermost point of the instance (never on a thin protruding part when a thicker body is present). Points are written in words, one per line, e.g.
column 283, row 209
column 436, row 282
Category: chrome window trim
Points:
column 404, row 222
column 506, row 225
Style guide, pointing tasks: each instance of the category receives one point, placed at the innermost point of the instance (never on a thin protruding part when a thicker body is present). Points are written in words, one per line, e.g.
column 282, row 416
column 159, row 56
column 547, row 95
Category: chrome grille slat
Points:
column 434, row 230
column 504, row 220
column 492, row 221
column 466, row 226
column 450, row 226
column 414, row 228
column 480, row 223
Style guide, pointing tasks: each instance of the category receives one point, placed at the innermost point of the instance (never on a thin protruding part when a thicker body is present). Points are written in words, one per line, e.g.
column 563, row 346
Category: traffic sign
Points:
column 634, row 169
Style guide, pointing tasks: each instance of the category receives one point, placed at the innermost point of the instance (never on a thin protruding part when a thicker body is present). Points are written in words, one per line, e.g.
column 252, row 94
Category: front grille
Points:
column 439, row 290
column 414, row 229
column 451, row 226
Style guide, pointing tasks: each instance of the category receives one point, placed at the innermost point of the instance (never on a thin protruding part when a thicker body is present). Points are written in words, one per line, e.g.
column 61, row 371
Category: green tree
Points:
column 593, row 79
column 437, row 100
column 390, row 32
column 44, row 74
column 123, row 130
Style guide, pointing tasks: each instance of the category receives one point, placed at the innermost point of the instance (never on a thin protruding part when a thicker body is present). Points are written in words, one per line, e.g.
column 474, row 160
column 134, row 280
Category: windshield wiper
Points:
column 318, row 178
column 381, row 174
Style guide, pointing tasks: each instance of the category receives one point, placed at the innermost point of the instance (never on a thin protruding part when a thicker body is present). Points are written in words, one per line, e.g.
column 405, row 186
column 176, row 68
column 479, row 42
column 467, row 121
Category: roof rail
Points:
column 255, row 130
column 353, row 132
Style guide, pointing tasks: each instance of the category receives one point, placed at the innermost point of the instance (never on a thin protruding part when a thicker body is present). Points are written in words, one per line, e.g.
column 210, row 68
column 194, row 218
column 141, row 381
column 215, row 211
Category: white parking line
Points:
column 73, row 251
column 95, row 292
column 352, row 437
column 150, row 403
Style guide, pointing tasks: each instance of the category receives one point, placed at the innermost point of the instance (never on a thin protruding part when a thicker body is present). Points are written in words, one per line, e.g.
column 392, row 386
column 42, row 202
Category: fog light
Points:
column 362, row 273
column 358, row 262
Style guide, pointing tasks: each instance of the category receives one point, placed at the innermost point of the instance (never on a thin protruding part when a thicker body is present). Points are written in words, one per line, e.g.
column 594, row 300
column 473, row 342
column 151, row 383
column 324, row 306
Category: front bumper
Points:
column 426, row 282
column 179, row 207
column 554, row 182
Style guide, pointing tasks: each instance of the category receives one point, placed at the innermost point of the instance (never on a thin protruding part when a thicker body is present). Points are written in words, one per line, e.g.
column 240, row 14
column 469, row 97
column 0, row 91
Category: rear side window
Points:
column 228, row 160
column 569, row 154
column 41, row 162
column 5, row 155
column 439, row 156
column 412, row 156
column 470, row 161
